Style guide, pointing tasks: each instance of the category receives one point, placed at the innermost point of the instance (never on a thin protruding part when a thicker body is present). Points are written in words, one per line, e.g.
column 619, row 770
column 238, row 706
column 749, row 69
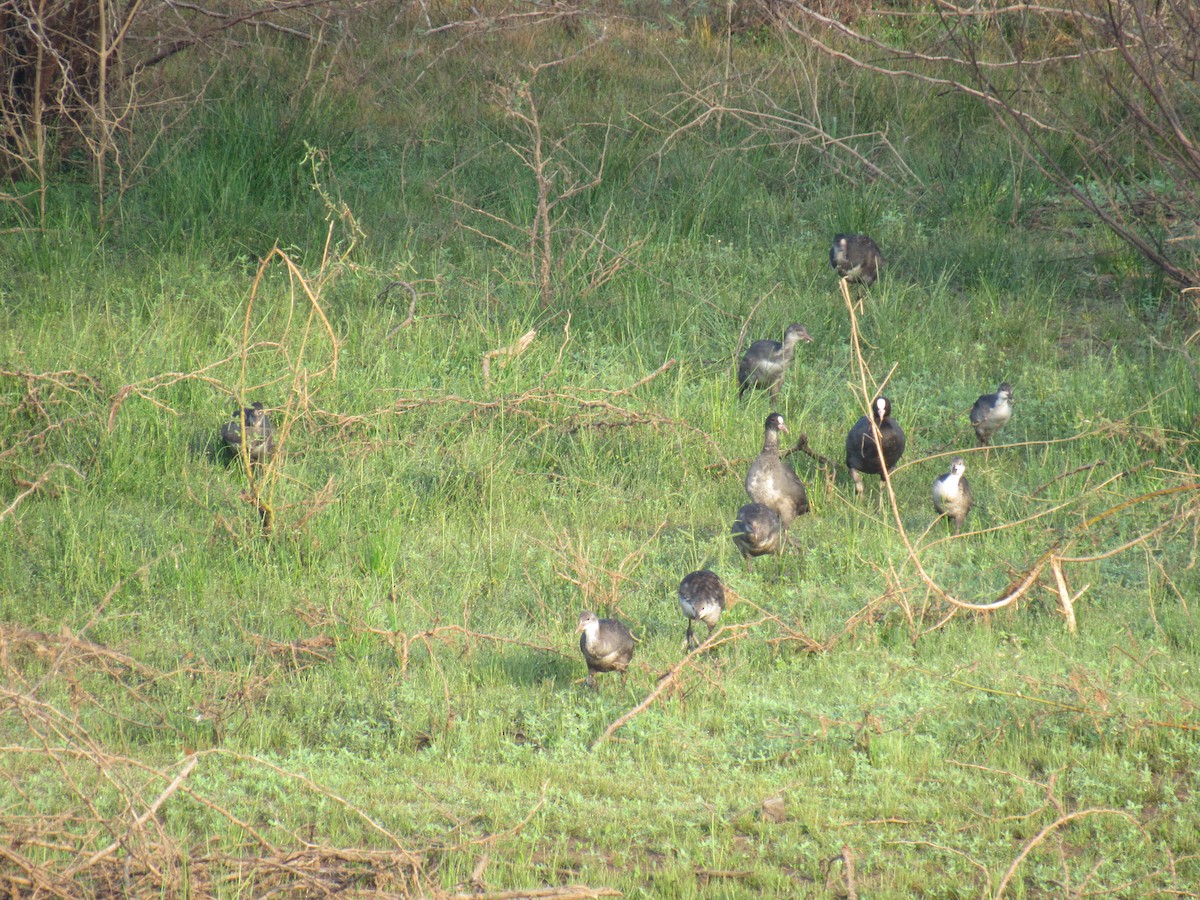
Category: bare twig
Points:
column 1002, row 887
column 512, row 351
column 716, row 639
column 36, row 486
column 412, row 306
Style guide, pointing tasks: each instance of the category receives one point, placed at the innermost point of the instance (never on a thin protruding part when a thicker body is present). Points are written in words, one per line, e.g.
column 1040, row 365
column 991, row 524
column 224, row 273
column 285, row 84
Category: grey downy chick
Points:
column 702, row 598
column 254, row 426
column 757, row 531
column 606, row 644
column 772, row 482
column 952, row 495
column 991, row 412
column 765, row 363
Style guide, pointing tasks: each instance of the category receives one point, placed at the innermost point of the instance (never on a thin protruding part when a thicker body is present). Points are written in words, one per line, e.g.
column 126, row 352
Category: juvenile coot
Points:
column 862, row 455
column 757, row 531
column 856, row 258
column 765, row 363
column 772, row 482
column 701, row 596
column 991, row 412
column 253, row 424
column 952, row 495
column 606, row 644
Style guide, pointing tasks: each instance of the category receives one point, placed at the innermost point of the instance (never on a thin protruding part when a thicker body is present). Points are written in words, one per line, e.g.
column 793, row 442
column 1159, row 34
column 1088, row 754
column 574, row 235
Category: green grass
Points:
column 443, row 531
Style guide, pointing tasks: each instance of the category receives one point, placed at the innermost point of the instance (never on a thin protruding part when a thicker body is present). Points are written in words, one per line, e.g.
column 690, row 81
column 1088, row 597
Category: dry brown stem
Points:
column 412, row 306
column 1033, row 842
column 402, row 642
column 512, row 351
column 1053, row 557
column 724, row 635
column 36, row 485
column 568, row 892
column 65, row 645
column 598, row 583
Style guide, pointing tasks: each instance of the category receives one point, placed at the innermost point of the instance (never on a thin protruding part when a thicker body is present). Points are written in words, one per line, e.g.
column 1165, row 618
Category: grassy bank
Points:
column 384, row 692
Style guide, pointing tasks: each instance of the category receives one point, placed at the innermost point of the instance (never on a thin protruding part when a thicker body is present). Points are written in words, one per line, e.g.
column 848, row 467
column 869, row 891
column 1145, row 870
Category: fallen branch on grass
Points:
column 401, row 642
column 412, row 306
column 570, row 892
column 736, row 633
column 34, row 486
column 13, row 637
column 1041, row 836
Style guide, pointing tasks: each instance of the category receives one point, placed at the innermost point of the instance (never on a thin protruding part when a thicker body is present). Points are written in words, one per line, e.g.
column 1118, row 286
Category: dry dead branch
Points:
column 402, row 642
column 412, row 306
column 598, row 583
column 568, row 892
column 1033, row 842
column 36, row 485
column 512, row 351
column 724, row 635
column 1141, row 54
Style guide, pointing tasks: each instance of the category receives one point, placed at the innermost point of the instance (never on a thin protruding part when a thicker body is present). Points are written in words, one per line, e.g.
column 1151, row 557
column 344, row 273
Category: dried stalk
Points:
column 735, row 632
column 512, row 351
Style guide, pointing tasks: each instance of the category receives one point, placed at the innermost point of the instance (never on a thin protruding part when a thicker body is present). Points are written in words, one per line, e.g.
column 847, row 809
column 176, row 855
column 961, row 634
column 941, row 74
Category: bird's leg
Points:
column 799, row 552
column 857, row 476
column 691, row 637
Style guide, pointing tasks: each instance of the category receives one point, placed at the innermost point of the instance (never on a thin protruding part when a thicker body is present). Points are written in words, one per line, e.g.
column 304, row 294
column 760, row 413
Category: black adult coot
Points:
column 856, row 258
column 991, row 412
column 701, row 596
column 952, row 495
column 771, row 482
column 606, row 644
column 765, row 363
column 757, row 531
column 862, row 454
column 252, row 424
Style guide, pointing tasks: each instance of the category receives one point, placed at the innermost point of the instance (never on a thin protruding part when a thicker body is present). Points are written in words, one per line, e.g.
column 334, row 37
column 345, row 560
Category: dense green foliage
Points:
column 413, row 496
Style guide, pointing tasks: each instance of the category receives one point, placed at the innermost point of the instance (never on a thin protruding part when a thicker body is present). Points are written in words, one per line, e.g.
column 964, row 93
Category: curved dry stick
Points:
column 737, row 351
column 1049, row 557
column 35, row 487
column 714, row 640
column 324, row 791
column 151, row 810
column 1041, row 836
column 412, row 306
